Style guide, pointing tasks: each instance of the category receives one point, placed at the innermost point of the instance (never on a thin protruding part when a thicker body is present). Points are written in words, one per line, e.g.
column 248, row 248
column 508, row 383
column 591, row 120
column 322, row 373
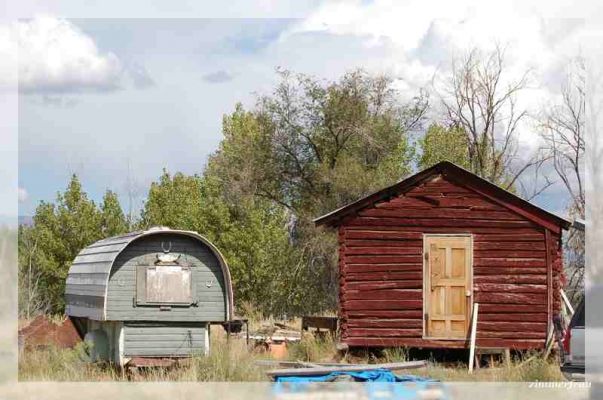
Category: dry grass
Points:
column 227, row 361
column 312, row 349
column 536, row 369
column 233, row 361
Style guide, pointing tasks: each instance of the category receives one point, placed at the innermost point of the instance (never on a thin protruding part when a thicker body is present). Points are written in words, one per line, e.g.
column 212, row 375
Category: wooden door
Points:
column 447, row 290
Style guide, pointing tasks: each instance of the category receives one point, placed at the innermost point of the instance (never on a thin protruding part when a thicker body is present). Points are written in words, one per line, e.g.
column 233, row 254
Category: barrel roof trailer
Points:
column 149, row 295
column 414, row 258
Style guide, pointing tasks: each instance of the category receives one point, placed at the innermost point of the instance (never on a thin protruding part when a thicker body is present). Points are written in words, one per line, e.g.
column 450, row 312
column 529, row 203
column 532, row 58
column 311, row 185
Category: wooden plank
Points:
column 511, row 335
column 387, row 294
column 380, row 234
column 509, row 237
column 509, row 254
column 383, row 332
column 441, row 213
column 403, row 229
column 384, row 323
column 383, row 250
column 505, row 287
column 517, row 327
column 512, row 308
column 383, row 243
column 382, row 259
column 473, row 336
column 406, row 202
column 468, row 201
column 382, row 304
column 498, row 270
column 509, row 262
column 515, row 245
column 511, row 317
column 510, row 279
column 378, row 285
column 380, row 276
column 549, row 278
column 342, row 368
column 518, row 343
column 364, row 268
column 510, row 298
column 384, row 313
column 438, row 222
column 568, row 304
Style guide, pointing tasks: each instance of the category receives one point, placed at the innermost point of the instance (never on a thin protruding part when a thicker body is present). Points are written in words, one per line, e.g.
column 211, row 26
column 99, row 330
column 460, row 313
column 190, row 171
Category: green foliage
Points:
column 174, row 202
column 60, row 230
column 250, row 233
column 306, row 149
column 444, row 144
column 303, row 145
column 113, row 220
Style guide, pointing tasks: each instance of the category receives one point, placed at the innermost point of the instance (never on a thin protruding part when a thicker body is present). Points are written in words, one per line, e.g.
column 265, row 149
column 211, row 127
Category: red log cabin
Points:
column 415, row 257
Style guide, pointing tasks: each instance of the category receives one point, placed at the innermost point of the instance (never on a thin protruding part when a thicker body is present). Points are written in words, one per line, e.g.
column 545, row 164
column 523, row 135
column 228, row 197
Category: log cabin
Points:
column 414, row 258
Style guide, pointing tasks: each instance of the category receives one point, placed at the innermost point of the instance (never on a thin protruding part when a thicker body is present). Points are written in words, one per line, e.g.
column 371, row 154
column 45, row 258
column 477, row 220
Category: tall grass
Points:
column 533, row 367
column 313, row 349
column 232, row 360
column 56, row 364
column 228, row 360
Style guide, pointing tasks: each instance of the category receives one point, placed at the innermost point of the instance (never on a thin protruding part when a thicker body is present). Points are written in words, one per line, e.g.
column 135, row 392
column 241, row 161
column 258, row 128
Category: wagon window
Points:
column 164, row 284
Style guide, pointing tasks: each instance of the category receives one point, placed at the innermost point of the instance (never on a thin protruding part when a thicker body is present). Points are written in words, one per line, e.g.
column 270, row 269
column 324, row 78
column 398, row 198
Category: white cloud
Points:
column 425, row 35
column 56, row 56
column 22, row 195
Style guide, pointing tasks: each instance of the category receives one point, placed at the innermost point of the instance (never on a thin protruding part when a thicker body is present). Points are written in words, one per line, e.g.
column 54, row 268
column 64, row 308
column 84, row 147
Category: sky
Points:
column 116, row 100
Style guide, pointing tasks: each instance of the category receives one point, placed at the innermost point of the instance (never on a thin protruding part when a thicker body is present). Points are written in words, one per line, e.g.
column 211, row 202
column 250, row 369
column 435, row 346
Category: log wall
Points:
column 381, row 269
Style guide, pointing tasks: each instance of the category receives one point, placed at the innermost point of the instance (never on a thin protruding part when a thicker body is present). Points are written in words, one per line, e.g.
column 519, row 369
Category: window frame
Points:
column 140, row 298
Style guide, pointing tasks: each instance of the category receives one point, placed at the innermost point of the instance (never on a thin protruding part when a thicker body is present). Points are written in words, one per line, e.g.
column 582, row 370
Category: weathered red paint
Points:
column 517, row 267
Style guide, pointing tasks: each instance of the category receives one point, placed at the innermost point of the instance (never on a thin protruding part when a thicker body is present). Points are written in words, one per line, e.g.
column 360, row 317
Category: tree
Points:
column 311, row 146
column 174, row 202
column 112, row 216
column 58, row 234
column 481, row 99
column 30, row 298
column 562, row 130
column 251, row 233
column 444, row 144
column 302, row 145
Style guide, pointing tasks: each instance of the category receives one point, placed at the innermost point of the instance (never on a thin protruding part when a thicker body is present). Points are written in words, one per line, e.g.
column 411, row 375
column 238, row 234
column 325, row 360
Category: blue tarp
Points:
column 373, row 375
column 378, row 384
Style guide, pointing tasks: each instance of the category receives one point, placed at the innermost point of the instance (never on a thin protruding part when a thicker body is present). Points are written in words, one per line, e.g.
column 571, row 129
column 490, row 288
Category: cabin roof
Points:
column 459, row 176
column 89, row 272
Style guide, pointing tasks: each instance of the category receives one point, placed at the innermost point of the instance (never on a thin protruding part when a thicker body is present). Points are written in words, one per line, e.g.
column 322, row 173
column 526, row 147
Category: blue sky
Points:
column 121, row 99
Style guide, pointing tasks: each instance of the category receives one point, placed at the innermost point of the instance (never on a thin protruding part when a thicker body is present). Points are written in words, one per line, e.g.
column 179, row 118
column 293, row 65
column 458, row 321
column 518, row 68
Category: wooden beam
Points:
column 549, row 278
column 345, row 368
column 473, row 334
column 567, row 302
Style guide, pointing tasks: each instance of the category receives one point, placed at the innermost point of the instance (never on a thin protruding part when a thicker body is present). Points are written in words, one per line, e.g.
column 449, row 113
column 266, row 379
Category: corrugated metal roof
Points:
column 88, row 277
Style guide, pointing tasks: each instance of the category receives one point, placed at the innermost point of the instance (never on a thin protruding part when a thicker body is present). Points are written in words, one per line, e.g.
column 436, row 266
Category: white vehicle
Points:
column 573, row 360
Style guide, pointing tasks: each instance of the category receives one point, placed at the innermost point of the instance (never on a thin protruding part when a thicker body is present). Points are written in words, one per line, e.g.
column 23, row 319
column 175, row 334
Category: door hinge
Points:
column 426, row 255
column 426, row 316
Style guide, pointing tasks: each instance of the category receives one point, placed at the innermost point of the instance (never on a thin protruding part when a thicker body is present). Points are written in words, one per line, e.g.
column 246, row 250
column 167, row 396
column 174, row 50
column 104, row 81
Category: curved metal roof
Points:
column 90, row 270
